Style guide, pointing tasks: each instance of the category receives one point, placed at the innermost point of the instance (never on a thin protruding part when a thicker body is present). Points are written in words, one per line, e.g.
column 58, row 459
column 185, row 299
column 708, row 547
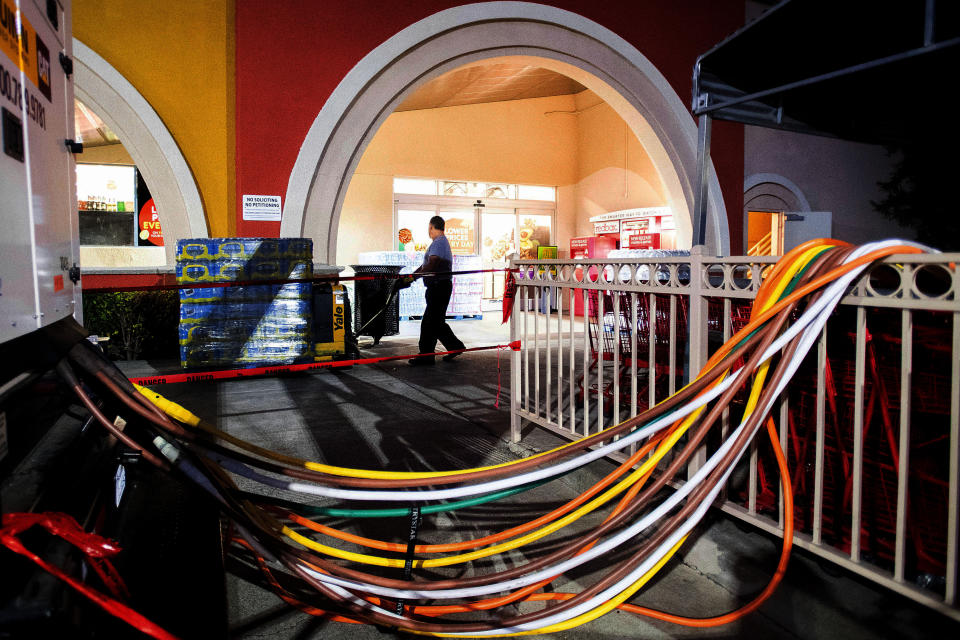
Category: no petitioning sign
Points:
column 262, row 208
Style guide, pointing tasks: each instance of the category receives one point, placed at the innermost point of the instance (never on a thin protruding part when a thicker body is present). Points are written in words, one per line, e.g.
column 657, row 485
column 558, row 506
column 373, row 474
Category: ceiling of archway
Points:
column 493, row 82
column 91, row 130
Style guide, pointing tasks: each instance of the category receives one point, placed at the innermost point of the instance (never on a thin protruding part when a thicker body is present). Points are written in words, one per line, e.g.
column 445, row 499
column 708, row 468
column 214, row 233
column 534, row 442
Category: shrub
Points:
column 140, row 324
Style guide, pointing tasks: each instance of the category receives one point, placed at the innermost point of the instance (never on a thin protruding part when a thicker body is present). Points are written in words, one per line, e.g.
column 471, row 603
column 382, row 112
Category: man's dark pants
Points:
column 434, row 325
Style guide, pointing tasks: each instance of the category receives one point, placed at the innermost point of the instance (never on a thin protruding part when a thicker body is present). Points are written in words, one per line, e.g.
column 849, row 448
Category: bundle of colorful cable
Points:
column 646, row 515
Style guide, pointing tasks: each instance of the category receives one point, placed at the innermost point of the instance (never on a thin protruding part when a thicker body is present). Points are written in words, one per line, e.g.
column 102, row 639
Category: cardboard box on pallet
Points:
column 467, row 288
column 246, row 324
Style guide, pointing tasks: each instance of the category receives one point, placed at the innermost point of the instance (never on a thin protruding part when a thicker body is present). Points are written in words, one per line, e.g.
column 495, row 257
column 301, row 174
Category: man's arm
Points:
column 432, row 265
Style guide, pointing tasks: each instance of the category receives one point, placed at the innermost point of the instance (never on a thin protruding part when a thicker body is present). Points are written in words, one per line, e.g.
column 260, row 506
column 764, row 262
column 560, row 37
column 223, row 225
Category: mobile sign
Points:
column 148, row 224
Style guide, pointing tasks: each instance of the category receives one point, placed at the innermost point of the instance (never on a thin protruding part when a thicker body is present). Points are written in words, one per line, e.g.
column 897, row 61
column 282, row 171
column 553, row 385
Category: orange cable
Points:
column 496, row 537
column 437, row 610
column 771, row 430
column 526, row 593
column 788, row 530
column 768, row 284
column 750, row 607
column 801, row 291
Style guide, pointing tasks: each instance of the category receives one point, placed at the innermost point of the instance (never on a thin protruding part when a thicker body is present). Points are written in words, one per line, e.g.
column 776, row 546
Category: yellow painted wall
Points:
column 499, row 142
column 614, row 170
column 179, row 54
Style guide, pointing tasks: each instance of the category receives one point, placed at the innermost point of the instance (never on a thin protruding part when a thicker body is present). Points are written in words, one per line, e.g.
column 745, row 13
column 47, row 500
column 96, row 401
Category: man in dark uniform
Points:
column 438, row 260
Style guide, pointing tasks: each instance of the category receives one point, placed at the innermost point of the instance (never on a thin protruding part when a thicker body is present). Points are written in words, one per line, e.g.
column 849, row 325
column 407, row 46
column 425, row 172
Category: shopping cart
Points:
column 928, row 493
column 615, row 339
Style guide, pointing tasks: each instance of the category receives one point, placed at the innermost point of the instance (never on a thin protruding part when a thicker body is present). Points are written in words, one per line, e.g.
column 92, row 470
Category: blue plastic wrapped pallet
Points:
column 247, row 324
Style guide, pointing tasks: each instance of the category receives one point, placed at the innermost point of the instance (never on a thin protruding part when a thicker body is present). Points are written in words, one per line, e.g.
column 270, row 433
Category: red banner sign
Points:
column 149, row 224
column 645, row 241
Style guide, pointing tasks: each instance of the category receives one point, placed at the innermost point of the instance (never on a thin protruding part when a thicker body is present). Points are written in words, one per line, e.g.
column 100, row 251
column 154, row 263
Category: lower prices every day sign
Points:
column 460, row 235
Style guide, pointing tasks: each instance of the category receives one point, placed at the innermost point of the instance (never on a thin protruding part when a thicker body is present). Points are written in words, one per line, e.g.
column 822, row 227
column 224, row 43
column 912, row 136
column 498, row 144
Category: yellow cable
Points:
column 182, row 414
column 546, row 530
column 185, row 416
column 588, row 616
column 608, row 495
column 749, row 409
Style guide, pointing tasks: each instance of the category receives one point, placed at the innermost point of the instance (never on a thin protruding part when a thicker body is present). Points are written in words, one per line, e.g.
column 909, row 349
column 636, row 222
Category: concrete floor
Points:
column 393, row 416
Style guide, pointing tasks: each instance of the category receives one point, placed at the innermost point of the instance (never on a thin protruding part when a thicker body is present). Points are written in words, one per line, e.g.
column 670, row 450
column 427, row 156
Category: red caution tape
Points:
column 96, row 548
column 509, row 293
column 226, row 374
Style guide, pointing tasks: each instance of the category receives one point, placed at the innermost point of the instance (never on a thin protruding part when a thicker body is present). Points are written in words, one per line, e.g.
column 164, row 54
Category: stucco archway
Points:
column 147, row 140
column 759, row 186
column 560, row 40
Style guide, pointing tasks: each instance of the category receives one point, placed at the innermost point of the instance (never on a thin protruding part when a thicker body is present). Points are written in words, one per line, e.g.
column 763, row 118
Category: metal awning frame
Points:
column 714, row 99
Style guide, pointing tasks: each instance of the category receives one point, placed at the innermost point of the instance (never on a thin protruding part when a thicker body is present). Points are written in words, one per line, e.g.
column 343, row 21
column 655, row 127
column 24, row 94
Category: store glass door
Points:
column 412, row 223
column 460, row 229
column 498, row 231
column 535, row 229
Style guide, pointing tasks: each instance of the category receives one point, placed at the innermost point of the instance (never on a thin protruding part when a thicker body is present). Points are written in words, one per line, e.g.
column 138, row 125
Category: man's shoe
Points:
column 420, row 361
column 451, row 356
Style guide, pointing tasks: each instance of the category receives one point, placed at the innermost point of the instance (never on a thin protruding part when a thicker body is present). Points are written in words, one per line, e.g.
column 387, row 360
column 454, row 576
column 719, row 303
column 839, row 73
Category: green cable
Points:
column 788, row 289
column 497, row 495
column 430, row 508
column 438, row 508
column 444, row 506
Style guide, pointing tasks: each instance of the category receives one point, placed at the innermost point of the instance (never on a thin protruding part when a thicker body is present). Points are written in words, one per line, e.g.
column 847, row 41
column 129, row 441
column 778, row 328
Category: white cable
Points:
column 570, row 563
column 794, row 363
column 475, row 489
column 563, row 467
column 816, row 317
column 607, row 545
column 822, row 311
column 589, row 605
column 801, row 352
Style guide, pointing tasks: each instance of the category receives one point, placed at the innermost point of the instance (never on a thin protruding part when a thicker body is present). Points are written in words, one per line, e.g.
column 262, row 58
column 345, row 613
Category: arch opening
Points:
column 766, row 197
column 155, row 153
column 557, row 40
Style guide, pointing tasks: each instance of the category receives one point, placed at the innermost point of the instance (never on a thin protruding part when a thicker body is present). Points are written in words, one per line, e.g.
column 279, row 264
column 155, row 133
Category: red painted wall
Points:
column 291, row 55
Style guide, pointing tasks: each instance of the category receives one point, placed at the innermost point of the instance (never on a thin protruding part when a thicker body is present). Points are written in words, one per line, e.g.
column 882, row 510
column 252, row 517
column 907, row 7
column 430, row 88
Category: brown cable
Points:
column 693, row 501
column 522, row 465
column 95, row 363
column 766, row 335
column 166, row 423
column 71, row 380
column 637, row 503
column 566, row 551
column 668, row 526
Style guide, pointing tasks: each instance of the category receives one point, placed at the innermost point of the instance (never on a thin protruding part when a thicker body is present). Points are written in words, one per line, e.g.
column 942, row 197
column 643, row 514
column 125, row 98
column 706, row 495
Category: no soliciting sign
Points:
column 263, row 208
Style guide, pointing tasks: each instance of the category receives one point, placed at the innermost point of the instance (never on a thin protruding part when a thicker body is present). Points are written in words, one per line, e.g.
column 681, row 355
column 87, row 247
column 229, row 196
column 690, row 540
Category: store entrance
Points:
column 483, row 233
column 498, row 232
column 521, row 171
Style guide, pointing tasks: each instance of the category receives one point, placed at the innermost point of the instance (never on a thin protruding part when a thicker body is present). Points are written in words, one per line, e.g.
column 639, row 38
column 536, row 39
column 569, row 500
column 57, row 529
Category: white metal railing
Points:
column 871, row 426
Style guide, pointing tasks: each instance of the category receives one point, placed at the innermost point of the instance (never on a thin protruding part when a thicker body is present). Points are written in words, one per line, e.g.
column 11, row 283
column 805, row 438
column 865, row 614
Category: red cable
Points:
column 93, row 546
column 224, row 374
